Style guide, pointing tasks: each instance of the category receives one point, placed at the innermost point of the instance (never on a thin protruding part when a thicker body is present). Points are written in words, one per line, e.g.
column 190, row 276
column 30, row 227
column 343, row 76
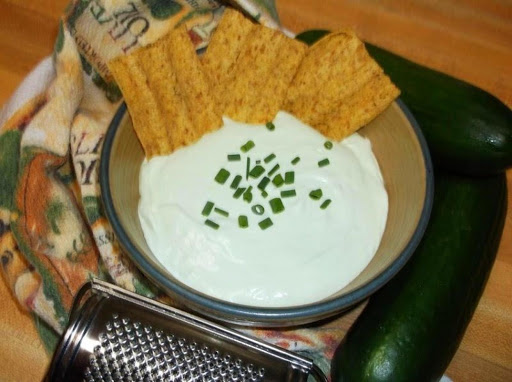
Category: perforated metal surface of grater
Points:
column 116, row 335
column 132, row 351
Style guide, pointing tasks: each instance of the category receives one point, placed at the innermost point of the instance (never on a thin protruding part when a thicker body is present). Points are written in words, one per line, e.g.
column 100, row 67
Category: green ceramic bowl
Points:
column 405, row 163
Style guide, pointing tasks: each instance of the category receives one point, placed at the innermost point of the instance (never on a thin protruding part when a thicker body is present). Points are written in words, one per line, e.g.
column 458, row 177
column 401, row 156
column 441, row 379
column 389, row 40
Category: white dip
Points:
column 306, row 255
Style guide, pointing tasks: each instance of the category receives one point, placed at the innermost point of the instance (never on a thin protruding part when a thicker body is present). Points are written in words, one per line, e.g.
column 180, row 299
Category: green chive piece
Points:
column 278, row 180
column 277, row 205
column 258, row 161
column 263, row 183
column 222, row 212
column 289, row 177
column 248, row 195
column 247, row 168
column 265, row 223
column 247, row 146
column 211, row 224
column 328, row 145
column 325, row 204
column 207, row 209
column 269, row 158
column 316, row 194
column 264, row 193
column 288, row 193
column 295, row 160
column 270, row 126
column 239, row 192
column 274, row 169
column 236, row 182
column 256, row 171
column 243, row 222
column 234, row 157
column 258, row 209
column 222, row 176
column 323, row 162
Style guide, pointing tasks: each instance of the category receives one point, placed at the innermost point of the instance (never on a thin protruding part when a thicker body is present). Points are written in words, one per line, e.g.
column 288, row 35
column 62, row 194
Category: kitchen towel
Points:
column 53, row 232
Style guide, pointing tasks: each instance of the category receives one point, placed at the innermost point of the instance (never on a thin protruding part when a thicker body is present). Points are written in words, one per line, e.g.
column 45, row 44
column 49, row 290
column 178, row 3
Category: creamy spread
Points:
column 307, row 254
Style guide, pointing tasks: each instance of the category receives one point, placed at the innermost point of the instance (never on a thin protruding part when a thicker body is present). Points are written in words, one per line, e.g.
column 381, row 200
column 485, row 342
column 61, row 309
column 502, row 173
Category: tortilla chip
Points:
column 350, row 114
column 338, row 87
column 192, row 84
column 167, row 93
column 147, row 120
column 257, row 87
column 224, row 48
column 161, row 78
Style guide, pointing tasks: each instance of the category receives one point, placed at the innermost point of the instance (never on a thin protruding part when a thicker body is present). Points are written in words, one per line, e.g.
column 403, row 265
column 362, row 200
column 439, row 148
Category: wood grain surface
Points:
column 468, row 39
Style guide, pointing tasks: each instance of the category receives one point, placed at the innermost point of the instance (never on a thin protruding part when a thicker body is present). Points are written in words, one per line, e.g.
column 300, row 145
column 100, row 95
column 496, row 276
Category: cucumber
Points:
column 412, row 327
column 467, row 129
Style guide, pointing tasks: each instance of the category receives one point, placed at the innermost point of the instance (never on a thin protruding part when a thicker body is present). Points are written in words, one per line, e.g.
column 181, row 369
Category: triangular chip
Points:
column 265, row 67
column 225, row 47
column 167, row 93
column 250, row 67
column 148, row 121
column 338, row 88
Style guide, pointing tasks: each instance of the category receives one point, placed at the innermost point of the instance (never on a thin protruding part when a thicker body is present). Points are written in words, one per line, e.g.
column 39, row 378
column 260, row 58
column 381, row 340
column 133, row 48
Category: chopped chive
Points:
column 328, row 145
column 247, row 168
column 325, row 204
column 258, row 209
column 269, row 158
column 263, row 183
column 258, row 161
column 323, row 162
column 239, row 192
column 264, row 193
column 288, row 193
column 295, row 160
column 222, row 176
column 211, row 224
column 222, row 212
column 247, row 146
column 289, row 177
column 273, row 170
column 248, row 195
column 236, row 182
column 243, row 222
column 265, row 223
column 277, row 205
column 316, row 194
column 256, row 171
column 207, row 209
column 234, row 157
column 278, row 180
column 270, row 126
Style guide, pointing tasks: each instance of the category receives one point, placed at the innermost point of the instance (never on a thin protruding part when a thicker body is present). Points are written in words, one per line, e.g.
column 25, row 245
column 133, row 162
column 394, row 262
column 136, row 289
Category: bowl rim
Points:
column 264, row 316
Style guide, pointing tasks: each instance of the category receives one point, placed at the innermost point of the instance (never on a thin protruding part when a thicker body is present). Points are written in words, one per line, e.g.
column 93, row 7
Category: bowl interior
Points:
column 406, row 173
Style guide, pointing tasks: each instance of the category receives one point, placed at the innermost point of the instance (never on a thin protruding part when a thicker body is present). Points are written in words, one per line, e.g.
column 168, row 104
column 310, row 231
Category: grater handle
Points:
column 318, row 374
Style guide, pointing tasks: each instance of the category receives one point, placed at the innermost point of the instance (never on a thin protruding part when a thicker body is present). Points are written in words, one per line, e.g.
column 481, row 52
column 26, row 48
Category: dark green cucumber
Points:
column 467, row 129
column 412, row 327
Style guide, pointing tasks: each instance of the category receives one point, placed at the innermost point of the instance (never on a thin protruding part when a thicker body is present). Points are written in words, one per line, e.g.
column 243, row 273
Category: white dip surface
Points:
column 306, row 255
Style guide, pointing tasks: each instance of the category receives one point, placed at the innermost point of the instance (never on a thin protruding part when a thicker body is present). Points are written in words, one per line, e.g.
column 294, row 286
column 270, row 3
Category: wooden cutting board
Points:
column 469, row 39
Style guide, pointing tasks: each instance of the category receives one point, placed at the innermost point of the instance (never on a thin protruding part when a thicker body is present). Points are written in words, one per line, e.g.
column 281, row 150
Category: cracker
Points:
column 261, row 76
column 338, row 87
column 147, row 120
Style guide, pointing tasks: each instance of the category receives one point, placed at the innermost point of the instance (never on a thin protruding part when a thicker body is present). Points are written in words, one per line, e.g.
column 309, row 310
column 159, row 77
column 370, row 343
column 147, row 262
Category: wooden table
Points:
column 469, row 39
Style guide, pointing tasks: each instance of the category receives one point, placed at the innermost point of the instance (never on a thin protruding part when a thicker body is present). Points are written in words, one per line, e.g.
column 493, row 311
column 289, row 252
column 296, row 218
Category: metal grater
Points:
column 116, row 335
